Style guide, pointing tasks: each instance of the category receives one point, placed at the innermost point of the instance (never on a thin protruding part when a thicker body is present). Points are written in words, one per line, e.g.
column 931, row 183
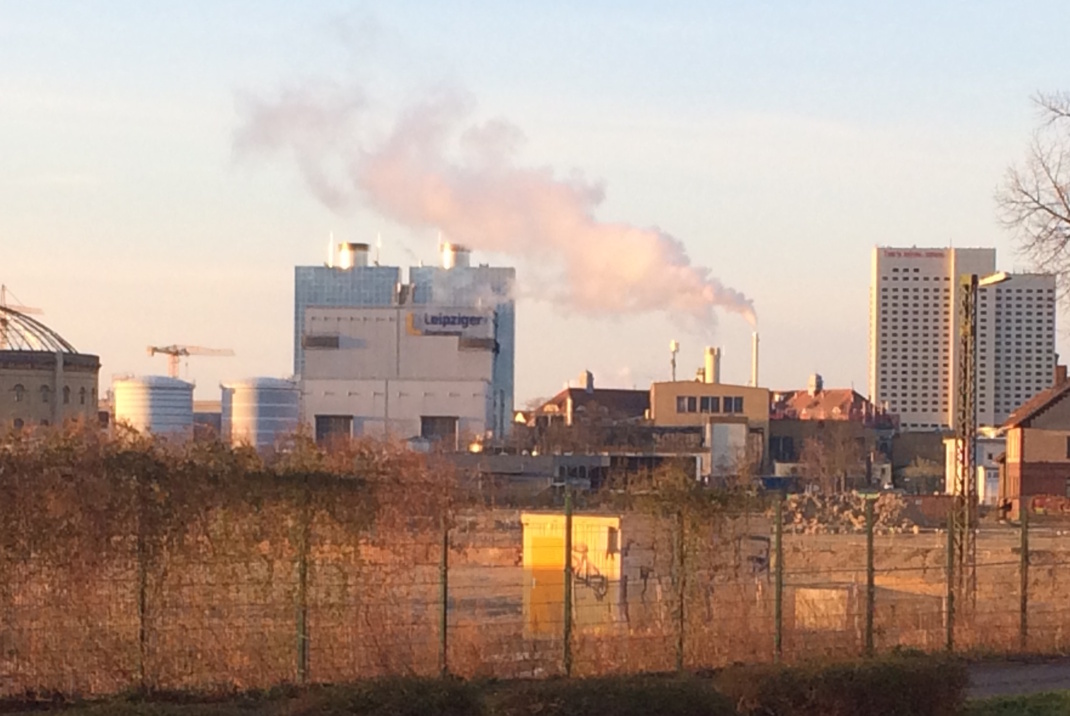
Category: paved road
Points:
column 1017, row 678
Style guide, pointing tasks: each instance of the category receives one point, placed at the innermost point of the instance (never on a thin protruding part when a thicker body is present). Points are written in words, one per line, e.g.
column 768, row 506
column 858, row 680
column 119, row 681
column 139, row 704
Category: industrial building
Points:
column 155, row 404
column 914, row 345
column 735, row 418
column 430, row 359
column 43, row 379
column 259, row 412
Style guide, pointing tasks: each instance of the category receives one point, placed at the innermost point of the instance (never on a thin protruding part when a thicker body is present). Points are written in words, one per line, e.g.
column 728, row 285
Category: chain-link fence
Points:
column 122, row 571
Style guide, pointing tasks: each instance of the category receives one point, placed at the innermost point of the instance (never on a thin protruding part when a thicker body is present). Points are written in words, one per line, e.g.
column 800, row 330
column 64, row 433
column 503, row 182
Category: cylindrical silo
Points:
column 155, row 404
column 259, row 411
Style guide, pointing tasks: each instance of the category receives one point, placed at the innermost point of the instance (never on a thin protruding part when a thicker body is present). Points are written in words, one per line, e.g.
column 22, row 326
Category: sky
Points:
column 777, row 142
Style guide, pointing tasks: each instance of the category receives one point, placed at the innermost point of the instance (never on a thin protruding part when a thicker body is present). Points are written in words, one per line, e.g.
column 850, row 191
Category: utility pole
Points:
column 962, row 563
column 963, row 544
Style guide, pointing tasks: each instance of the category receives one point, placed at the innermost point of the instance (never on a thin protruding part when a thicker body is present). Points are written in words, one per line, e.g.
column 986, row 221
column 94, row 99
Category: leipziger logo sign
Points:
column 451, row 322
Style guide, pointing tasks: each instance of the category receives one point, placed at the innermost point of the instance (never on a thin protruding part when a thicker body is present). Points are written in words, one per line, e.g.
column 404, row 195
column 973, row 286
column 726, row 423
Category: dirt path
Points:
column 1018, row 678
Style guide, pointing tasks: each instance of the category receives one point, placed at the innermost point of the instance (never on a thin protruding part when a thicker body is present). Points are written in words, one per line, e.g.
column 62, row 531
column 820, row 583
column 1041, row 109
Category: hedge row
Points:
column 894, row 687
column 889, row 687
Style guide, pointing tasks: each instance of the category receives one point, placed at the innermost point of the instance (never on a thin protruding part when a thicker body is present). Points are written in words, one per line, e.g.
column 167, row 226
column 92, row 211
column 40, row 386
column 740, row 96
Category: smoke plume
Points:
column 436, row 168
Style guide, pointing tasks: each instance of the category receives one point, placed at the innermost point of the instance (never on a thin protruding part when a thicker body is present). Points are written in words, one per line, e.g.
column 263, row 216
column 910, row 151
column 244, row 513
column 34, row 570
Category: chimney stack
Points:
column 352, row 255
column 712, row 365
column 588, row 381
column 754, row 360
column 455, row 256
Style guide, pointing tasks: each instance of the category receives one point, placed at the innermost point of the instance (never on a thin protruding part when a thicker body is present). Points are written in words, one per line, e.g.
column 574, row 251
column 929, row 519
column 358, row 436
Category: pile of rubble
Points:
column 835, row 514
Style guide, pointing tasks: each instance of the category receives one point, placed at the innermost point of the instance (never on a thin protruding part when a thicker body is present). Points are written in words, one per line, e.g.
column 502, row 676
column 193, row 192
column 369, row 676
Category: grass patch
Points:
column 1055, row 703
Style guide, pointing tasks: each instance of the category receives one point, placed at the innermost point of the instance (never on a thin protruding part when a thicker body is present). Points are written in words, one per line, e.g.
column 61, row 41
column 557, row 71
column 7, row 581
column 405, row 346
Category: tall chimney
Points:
column 712, row 365
column 754, row 360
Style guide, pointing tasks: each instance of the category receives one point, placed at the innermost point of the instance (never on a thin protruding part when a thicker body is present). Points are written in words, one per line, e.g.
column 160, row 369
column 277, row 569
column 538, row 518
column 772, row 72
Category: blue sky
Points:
column 778, row 140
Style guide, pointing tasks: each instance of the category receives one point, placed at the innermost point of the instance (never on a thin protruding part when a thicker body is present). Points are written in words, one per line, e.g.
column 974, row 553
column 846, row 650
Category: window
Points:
column 18, row 423
column 20, row 392
column 692, row 404
column 81, row 396
column 715, row 404
column 681, row 404
column 704, row 404
column 66, row 395
column 46, row 394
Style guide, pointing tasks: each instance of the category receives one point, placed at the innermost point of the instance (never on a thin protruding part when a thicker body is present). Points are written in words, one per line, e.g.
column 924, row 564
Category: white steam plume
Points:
column 436, row 169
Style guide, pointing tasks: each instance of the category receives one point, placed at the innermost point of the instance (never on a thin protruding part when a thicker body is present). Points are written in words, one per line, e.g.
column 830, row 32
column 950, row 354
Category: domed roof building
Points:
column 43, row 379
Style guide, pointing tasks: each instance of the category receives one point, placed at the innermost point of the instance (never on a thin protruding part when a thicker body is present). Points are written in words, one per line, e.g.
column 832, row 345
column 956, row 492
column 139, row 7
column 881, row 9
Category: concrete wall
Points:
column 378, row 343
column 379, row 407
column 382, row 367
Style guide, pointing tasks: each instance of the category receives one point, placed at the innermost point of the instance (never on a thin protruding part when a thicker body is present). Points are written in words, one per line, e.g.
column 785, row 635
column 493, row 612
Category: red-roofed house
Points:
column 1037, row 460
column 845, row 423
column 592, row 405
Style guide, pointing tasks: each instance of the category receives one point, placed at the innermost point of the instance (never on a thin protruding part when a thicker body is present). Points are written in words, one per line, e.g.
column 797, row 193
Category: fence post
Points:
column 778, row 585
column 681, row 586
column 304, row 538
column 142, row 582
column 870, row 576
column 568, row 581
column 1023, row 623
column 444, row 605
column 950, row 594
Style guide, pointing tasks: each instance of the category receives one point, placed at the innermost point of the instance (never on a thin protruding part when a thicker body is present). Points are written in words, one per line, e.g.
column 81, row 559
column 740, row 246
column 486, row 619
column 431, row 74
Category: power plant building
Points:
column 430, row 359
column 915, row 328
column 43, row 379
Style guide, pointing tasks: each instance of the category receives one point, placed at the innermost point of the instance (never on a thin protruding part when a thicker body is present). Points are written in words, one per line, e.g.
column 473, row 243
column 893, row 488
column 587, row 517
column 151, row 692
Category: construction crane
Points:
column 175, row 353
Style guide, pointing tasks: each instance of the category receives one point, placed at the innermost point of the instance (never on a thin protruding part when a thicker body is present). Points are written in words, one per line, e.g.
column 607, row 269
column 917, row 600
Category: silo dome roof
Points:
column 19, row 332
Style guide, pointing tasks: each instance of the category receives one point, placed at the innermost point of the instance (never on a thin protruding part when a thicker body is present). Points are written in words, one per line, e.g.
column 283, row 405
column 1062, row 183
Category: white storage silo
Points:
column 259, row 411
column 155, row 404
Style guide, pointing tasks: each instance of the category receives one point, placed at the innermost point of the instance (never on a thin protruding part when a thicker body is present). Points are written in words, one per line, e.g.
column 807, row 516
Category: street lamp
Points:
column 964, row 557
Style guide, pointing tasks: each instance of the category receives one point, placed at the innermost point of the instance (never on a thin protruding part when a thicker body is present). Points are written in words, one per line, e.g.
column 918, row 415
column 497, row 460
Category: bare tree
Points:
column 1034, row 200
column 831, row 459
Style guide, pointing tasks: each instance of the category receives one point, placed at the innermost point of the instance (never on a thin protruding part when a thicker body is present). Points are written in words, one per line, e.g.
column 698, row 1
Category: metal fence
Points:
column 263, row 592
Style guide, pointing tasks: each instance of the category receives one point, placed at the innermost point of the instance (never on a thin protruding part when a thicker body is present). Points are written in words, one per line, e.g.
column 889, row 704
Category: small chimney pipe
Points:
column 455, row 256
column 712, row 365
column 754, row 360
column 352, row 255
